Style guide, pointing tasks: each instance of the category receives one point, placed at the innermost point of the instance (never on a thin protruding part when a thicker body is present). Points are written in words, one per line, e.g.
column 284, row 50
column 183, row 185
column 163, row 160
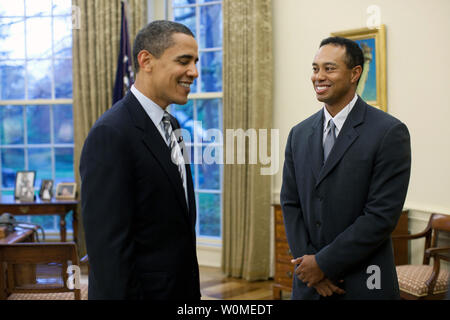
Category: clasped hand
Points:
column 310, row 273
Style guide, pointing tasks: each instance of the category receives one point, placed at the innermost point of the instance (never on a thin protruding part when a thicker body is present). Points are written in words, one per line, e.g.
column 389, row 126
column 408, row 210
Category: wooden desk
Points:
column 39, row 207
column 24, row 273
column 20, row 235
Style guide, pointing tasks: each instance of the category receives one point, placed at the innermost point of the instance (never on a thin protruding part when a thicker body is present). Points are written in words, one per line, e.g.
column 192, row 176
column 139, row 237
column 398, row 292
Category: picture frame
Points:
column 66, row 191
column 46, row 191
column 372, row 86
column 24, row 185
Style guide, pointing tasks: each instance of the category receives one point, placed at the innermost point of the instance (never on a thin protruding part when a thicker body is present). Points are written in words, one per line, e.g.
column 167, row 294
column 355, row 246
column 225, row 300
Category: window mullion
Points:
column 52, row 67
column 25, row 136
column 197, row 26
column 25, row 87
column 52, row 142
column 196, row 176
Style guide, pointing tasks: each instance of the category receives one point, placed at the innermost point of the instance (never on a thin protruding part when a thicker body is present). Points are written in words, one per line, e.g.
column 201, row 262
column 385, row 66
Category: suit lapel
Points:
column 346, row 137
column 315, row 145
column 156, row 145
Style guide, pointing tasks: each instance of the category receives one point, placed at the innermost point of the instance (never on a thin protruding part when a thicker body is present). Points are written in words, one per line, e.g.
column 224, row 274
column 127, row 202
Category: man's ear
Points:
column 356, row 74
column 145, row 60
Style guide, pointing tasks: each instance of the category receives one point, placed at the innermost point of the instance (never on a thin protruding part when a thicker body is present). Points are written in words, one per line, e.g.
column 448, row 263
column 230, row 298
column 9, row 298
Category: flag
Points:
column 124, row 74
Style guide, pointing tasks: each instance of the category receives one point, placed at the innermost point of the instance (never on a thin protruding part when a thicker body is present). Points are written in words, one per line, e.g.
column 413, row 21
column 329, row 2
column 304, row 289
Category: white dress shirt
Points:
column 338, row 119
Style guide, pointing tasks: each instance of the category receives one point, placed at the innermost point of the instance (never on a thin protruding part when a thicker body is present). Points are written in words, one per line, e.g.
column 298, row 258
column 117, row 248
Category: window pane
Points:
column 39, row 37
column 11, row 8
column 9, row 193
column 63, row 78
column 185, row 16
column 208, row 113
column 185, row 117
column 46, row 222
column 38, row 124
column 209, row 208
column 11, row 129
column 211, row 70
column 41, row 7
column 182, row 2
column 62, row 36
column 209, row 170
column 69, row 221
column 62, row 7
column 12, row 39
column 211, row 26
column 63, row 165
column 12, row 160
column 39, row 79
column 63, row 123
column 40, row 160
column 12, row 80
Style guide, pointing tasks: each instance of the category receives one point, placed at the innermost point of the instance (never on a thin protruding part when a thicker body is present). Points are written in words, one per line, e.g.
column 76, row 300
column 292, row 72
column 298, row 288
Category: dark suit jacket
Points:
column 140, row 235
column 344, row 211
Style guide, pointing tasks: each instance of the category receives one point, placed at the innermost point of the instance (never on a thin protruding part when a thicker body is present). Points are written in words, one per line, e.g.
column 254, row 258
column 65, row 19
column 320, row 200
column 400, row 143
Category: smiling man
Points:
column 138, row 204
column 345, row 179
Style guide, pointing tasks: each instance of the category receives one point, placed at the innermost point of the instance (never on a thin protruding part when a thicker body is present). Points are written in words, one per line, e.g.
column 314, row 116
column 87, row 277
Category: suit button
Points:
column 318, row 224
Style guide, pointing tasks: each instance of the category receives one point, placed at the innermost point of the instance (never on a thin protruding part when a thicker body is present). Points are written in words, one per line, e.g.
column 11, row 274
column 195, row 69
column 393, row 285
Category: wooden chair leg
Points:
column 276, row 293
column 77, row 294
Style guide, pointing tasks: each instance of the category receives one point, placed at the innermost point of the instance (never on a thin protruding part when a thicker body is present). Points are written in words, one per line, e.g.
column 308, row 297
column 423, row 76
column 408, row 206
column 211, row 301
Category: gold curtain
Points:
column 95, row 52
column 247, row 99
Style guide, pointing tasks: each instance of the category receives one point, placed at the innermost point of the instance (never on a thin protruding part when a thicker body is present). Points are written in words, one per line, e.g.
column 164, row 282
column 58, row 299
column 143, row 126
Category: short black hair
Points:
column 353, row 52
column 156, row 37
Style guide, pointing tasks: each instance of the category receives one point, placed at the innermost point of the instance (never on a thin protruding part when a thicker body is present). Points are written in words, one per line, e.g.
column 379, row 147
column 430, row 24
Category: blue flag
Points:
column 124, row 74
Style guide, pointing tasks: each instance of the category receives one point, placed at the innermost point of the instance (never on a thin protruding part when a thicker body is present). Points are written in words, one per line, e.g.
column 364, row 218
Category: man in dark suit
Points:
column 137, row 198
column 345, row 179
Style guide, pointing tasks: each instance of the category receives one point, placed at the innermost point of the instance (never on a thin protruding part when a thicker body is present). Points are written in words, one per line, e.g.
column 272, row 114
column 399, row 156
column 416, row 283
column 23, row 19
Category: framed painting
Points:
column 372, row 86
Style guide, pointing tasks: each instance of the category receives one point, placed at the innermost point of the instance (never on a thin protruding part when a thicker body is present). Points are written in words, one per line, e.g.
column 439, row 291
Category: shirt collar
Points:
column 340, row 118
column 154, row 111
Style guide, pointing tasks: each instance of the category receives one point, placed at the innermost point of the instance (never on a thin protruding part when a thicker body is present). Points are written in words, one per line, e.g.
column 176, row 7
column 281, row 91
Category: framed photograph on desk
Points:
column 66, row 191
column 24, row 187
column 46, row 191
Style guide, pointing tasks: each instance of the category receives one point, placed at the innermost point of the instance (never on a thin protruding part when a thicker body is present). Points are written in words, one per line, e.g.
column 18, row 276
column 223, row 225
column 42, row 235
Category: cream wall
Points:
column 418, row 69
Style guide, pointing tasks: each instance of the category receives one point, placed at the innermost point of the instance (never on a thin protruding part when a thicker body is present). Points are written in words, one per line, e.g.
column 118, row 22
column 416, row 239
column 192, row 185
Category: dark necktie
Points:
column 329, row 140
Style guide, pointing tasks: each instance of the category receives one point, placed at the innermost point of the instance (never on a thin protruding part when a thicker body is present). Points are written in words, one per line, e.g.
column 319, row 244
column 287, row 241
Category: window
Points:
column 204, row 109
column 36, row 126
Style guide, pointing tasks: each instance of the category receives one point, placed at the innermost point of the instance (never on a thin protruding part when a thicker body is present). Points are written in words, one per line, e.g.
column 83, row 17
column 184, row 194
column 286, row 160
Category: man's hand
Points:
column 327, row 288
column 308, row 271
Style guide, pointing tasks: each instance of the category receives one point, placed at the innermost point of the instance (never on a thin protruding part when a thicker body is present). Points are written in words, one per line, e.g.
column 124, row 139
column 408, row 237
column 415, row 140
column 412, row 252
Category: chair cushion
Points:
column 51, row 296
column 412, row 279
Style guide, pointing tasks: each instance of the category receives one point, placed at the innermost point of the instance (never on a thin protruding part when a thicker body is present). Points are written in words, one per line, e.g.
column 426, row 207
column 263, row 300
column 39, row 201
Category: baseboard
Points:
column 209, row 256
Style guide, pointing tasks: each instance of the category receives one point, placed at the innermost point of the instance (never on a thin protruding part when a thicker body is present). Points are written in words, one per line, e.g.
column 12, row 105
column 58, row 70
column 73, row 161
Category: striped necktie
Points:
column 175, row 151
